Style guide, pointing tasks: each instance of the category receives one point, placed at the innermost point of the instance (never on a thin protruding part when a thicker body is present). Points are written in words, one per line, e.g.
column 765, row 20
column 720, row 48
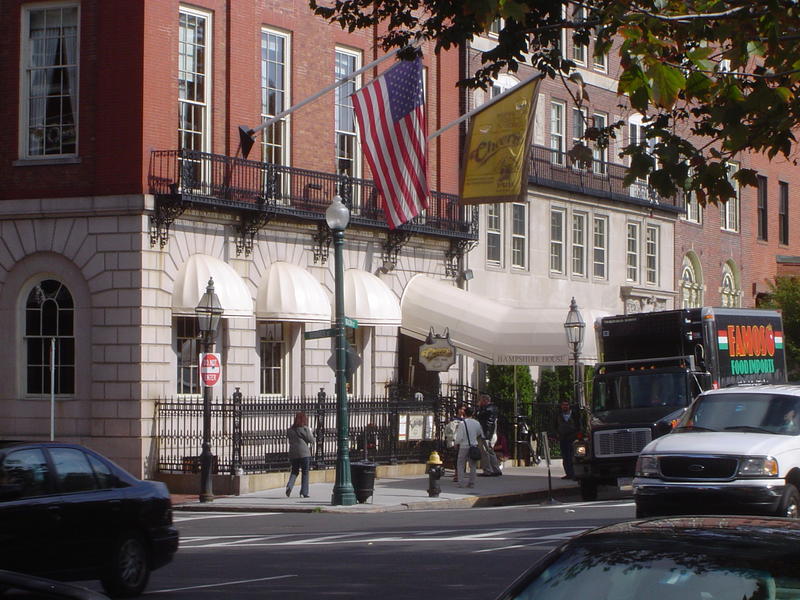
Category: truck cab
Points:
column 629, row 408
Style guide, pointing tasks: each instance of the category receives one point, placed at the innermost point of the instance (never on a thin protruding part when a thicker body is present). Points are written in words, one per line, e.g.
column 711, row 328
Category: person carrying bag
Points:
column 467, row 437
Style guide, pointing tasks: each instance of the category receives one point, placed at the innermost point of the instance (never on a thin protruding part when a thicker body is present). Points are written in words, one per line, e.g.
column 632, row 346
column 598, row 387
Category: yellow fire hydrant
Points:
column 435, row 471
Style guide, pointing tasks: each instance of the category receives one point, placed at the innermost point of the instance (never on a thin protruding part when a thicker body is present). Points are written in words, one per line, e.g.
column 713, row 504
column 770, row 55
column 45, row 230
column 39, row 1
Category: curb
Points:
column 458, row 503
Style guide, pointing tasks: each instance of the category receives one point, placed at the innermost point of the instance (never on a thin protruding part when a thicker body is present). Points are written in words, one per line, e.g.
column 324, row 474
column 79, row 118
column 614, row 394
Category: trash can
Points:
column 362, row 474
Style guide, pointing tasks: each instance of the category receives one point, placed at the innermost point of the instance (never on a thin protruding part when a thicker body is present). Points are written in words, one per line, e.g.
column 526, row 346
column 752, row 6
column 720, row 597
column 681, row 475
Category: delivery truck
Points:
column 653, row 365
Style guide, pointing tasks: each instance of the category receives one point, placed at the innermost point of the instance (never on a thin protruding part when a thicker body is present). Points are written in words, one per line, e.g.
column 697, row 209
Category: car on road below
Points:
column 735, row 451
column 678, row 558
column 68, row 513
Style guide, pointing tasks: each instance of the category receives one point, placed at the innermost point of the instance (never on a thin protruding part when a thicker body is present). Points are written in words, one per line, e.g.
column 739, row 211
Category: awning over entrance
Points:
column 488, row 330
column 290, row 293
column 368, row 300
column 192, row 281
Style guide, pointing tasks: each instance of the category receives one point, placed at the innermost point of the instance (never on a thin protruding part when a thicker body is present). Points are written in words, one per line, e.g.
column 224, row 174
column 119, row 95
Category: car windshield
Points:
column 615, row 391
column 659, row 572
column 753, row 412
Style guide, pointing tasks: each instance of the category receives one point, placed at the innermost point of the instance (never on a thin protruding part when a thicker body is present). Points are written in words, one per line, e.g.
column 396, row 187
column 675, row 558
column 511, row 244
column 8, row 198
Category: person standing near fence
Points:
column 487, row 417
column 300, row 441
column 468, row 437
column 566, row 427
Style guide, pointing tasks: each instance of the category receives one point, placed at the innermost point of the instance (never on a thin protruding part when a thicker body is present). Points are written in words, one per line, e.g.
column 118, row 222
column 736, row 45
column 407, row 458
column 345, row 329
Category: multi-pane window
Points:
column 50, row 81
column 194, row 61
column 345, row 118
column 690, row 289
column 578, row 129
column 272, row 348
column 601, row 62
column 761, row 208
column 694, row 212
column 274, row 95
column 519, row 235
column 557, row 132
column 579, row 244
column 494, row 234
column 783, row 213
column 730, row 211
column 600, row 247
column 636, row 133
column 651, row 247
column 632, row 252
column 557, row 241
column 186, row 350
column 729, row 294
column 600, row 155
column 49, row 339
column 579, row 51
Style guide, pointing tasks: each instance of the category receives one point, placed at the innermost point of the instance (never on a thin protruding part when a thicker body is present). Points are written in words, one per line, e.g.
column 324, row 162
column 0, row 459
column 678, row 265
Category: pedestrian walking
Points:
column 566, row 427
column 450, row 439
column 487, row 417
column 468, row 437
column 300, row 440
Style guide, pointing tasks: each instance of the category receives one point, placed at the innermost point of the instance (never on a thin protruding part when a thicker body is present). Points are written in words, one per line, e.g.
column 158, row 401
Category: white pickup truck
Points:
column 736, row 450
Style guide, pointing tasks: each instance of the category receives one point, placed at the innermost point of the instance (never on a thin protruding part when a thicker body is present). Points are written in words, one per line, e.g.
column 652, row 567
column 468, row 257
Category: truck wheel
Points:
column 790, row 503
column 588, row 489
column 129, row 568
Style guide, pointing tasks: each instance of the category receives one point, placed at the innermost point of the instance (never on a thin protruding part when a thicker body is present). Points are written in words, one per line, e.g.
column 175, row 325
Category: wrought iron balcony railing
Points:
column 224, row 182
column 555, row 169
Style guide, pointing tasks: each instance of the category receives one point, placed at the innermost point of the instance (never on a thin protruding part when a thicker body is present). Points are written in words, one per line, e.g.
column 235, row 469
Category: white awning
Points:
column 488, row 330
column 290, row 293
column 192, row 280
column 369, row 300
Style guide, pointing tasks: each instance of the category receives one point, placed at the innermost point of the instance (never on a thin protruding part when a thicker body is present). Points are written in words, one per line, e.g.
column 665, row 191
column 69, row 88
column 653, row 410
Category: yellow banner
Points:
column 498, row 143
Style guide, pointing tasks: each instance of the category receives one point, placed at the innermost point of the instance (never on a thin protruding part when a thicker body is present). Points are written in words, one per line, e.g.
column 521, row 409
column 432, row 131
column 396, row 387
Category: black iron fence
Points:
column 249, row 433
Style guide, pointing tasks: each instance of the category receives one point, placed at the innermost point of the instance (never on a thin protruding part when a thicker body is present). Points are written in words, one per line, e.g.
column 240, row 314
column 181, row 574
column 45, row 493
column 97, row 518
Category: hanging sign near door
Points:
column 437, row 353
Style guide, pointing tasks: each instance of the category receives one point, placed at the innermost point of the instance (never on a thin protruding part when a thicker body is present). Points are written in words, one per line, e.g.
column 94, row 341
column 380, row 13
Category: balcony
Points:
column 554, row 169
column 261, row 192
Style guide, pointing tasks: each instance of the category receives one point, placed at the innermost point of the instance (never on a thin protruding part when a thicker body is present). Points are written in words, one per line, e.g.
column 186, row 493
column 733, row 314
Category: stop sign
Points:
column 210, row 369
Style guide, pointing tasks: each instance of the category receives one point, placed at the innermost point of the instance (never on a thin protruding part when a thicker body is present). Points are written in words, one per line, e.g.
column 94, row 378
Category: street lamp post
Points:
column 208, row 312
column 574, row 328
column 337, row 217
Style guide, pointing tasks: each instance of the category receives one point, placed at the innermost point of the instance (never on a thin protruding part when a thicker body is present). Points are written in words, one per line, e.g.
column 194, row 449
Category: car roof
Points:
column 767, row 388
column 673, row 527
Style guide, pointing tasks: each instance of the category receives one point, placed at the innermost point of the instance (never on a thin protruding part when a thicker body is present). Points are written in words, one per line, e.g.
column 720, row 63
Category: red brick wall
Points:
column 128, row 92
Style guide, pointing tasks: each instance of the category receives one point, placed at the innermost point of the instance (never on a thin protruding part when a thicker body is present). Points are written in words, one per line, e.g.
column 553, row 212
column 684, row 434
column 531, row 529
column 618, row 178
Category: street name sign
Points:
column 351, row 323
column 320, row 333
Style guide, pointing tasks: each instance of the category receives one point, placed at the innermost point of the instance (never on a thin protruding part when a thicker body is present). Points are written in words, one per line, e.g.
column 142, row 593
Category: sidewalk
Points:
column 401, row 493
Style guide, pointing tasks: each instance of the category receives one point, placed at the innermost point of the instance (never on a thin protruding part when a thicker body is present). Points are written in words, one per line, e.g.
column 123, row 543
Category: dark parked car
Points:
column 687, row 558
column 68, row 513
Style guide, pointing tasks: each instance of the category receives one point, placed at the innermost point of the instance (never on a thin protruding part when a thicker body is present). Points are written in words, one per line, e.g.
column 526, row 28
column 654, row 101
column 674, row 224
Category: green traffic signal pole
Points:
column 343, row 493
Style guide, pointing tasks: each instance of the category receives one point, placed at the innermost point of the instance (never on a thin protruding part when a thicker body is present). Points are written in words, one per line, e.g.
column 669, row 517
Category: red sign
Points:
column 210, row 369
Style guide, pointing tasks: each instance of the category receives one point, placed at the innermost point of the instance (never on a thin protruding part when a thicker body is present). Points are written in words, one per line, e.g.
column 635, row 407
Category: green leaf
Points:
column 667, row 83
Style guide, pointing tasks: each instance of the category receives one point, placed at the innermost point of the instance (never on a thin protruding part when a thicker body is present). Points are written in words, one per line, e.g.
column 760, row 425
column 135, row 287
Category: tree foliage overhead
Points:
column 713, row 79
column 784, row 294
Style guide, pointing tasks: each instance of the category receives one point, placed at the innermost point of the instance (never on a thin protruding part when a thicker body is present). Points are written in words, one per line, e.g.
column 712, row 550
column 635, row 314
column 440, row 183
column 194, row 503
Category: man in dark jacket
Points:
column 566, row 427
column 487, row 417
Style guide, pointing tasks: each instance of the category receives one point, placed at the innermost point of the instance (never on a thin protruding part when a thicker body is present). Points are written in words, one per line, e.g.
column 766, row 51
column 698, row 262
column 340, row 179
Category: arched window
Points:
column 49, row 338
column 691, row 283
column 730, row 294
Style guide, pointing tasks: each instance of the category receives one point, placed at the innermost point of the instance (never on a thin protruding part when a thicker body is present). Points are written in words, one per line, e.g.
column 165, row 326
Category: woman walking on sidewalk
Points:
column 300, row 440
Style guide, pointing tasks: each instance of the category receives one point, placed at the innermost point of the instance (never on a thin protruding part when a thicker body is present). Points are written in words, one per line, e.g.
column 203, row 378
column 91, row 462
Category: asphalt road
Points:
column 465, row 554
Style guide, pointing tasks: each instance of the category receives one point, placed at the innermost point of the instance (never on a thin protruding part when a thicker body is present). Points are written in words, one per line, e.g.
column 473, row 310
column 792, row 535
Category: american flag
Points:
column 391, row 116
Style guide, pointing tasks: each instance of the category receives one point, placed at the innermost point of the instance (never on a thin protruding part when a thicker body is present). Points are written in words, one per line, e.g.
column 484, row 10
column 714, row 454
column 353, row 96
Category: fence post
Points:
column 236, row 463
column 319, row 454
column 394, row 423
